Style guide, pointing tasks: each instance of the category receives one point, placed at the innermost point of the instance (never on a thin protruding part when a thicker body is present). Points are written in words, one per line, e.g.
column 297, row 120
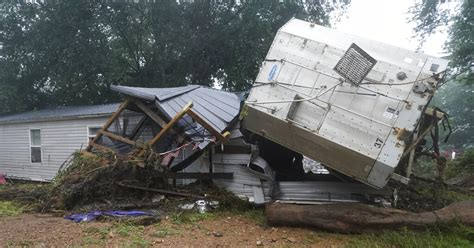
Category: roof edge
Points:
column 64, row 118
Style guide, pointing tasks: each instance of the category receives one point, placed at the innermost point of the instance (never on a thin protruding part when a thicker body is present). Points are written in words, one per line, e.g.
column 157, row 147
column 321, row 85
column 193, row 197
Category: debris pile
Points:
column 97, row 177
column 422, row 195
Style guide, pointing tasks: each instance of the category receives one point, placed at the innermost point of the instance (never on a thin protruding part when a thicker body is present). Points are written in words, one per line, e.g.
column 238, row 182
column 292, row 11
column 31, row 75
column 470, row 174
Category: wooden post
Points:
column 206, row 125
column 109, row 122
column 415, row 143
column 148, row 112
column 117, row 137
column 170, row 124
column 100, row 147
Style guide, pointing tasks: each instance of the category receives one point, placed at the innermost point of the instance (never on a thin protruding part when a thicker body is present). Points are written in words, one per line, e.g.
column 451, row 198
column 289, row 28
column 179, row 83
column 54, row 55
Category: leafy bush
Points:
column 462, row 166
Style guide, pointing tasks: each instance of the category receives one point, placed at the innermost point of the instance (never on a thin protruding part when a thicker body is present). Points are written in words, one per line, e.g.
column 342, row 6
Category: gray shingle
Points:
column 59, row 113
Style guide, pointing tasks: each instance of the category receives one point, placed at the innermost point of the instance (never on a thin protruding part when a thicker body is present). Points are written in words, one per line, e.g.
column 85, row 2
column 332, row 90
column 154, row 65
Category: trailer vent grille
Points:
column 355, row 64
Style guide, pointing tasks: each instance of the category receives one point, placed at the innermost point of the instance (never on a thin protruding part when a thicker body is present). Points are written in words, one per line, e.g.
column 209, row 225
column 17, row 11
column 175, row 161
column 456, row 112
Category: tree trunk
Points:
column 357, row 217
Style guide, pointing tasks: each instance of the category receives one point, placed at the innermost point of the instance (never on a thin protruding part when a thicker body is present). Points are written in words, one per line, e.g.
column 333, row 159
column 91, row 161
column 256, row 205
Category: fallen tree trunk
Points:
column 357, row 217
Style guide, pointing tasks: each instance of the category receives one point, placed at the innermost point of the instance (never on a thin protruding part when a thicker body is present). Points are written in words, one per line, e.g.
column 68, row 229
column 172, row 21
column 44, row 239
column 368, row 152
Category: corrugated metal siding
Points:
column 243, row 181
column 217, row 107
column 59, row 139
column 151, row 93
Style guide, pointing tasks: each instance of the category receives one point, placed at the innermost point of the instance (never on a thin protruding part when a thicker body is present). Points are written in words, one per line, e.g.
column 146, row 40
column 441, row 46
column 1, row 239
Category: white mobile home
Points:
column 34, row 144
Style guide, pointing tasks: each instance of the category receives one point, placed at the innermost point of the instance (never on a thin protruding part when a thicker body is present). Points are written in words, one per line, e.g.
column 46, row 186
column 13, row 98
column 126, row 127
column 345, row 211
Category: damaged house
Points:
column 329, row 119
column 359, row 107
column 34, row 144
column 196, row 130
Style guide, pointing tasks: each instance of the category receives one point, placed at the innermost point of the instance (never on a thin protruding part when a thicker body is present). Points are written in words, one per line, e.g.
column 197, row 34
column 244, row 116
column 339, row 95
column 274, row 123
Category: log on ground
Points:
column 357, row 217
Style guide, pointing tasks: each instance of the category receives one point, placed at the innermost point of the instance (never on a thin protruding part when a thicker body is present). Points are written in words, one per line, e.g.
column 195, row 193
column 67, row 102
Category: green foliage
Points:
column 461, row 166
column 422, row 195
column 428, row 15
column 10, row 208
column 461, row 42
column 69, row 52
column 190, row 217
column 452, row 235
column 132, row 235
column 457, row 100
column 163, row 231
column 431, row 15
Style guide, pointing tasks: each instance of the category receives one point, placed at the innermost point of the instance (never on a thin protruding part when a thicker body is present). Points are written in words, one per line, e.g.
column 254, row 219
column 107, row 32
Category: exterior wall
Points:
column 58, row 140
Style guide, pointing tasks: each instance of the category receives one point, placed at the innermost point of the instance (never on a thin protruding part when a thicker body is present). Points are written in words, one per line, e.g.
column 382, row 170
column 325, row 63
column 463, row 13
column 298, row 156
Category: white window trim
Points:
column 90, row 136
column 40, row 146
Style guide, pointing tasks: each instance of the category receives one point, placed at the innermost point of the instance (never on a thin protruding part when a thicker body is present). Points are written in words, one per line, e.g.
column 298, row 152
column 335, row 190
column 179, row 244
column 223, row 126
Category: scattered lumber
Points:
column 357, row 217
column 161, row 191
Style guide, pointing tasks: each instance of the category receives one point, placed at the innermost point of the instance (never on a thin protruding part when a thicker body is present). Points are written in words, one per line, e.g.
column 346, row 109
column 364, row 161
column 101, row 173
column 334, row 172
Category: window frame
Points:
column 31, row 146
column 88, row 133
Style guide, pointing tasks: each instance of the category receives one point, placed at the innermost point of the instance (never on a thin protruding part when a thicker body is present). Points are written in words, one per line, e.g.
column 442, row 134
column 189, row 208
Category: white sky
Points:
column 387, row 21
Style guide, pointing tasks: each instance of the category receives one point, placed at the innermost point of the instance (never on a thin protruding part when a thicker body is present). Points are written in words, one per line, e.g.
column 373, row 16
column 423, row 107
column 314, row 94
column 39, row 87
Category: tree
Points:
column 430, row 15
column 69, row 52
column 456, row 99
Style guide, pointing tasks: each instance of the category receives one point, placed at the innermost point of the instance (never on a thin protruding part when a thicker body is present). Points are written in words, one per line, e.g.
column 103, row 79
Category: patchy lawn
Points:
column 10, row 208
column 217, row 229
column 453, row 236
column 226, row 228
column 234, row 226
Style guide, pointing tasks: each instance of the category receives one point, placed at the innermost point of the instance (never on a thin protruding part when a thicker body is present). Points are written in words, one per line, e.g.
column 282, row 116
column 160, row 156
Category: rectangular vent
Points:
column 355, row 64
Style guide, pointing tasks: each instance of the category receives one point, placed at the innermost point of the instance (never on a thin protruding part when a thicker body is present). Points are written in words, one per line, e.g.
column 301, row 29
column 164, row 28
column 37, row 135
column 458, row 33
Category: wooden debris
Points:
column 161, row 191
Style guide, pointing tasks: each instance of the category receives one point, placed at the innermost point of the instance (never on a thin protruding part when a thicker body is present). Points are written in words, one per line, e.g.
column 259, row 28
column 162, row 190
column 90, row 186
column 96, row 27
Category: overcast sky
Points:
column 386, row 21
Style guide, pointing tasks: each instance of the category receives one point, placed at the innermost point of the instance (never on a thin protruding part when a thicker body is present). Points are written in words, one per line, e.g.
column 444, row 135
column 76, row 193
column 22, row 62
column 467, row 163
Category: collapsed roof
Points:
column 217, row 108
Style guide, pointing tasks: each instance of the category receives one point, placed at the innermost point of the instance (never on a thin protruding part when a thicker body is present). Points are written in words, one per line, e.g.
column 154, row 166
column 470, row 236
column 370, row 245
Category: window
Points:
column 92, row 132
column 35, row 145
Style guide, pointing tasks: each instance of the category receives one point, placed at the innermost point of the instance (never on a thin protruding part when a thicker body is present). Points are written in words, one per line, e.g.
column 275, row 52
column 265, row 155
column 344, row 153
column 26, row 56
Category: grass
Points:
column 256, row 215
column 190, row 217
column 10, row 208
column 455, row 235
column 21, row 243
column 131, row 235
column 163, row 232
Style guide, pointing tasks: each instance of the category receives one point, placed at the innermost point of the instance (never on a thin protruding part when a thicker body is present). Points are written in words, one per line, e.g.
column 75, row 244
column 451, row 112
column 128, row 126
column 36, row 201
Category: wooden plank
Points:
column 109, row 122
column 117, row 137
column 150, row 113
column 170, row 124
column 99, row 147
column 206, row 125
column 415, row 143
column 200, row 175
column 430, row 112
column 162, row 191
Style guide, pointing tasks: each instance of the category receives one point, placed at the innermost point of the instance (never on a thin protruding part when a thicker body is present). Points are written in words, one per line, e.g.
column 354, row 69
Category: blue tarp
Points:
column 93, row 215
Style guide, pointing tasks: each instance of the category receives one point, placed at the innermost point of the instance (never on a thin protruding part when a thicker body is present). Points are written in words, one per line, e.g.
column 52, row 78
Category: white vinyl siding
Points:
column 59, row 139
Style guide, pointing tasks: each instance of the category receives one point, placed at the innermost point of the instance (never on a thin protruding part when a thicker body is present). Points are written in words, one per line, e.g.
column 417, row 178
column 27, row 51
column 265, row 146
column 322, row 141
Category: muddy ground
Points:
column 217, row 230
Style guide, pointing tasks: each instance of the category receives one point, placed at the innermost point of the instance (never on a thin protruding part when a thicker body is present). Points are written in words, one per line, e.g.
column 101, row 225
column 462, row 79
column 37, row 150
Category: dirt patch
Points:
column 229, row 230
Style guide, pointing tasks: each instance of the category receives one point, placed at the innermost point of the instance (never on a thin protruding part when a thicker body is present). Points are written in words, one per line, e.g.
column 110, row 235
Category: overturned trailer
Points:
column 351, row 103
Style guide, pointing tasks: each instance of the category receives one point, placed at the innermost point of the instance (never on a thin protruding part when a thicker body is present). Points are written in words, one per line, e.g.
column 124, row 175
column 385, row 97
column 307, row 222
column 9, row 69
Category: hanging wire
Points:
column 296, row 100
